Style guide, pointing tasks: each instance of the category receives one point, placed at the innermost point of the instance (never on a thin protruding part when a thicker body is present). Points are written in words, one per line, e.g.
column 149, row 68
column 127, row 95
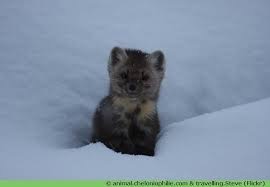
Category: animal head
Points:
column 136, row 74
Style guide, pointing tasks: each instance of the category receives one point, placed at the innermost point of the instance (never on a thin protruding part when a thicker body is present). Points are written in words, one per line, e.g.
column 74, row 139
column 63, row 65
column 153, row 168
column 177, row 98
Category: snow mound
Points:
column 231, row 144
column 53, row 58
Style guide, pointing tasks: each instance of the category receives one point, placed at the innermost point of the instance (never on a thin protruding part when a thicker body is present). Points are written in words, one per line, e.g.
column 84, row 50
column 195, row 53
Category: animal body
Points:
column 127, row 119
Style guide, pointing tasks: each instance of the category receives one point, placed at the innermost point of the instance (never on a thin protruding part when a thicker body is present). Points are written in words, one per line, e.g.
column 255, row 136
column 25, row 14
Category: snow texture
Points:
column 53, row 72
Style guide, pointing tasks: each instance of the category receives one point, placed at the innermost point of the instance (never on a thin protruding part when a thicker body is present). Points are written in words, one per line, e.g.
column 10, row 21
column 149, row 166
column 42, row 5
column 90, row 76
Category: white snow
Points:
column 53, row 57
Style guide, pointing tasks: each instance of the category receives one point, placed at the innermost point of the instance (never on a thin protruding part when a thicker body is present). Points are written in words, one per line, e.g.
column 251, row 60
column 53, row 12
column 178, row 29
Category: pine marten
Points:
column 127, row 119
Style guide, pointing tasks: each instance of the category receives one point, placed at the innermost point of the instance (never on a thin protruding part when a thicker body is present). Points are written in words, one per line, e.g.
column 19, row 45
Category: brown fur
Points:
column 127, row 119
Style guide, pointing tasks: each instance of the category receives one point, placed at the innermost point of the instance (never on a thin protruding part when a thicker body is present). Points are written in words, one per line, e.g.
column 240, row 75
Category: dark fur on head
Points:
column 127, row 119
column 136, row 74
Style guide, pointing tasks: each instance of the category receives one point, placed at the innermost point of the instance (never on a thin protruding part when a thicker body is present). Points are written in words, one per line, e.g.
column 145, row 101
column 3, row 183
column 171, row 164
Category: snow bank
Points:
column 53, row 58
column 231, row 144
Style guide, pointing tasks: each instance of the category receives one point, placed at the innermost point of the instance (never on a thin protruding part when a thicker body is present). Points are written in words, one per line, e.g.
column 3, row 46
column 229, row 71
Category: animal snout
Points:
column 132, row 88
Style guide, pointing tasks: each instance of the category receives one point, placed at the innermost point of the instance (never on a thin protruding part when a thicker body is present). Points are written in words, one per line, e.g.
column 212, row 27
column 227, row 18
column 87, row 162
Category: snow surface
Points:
column 53, row 57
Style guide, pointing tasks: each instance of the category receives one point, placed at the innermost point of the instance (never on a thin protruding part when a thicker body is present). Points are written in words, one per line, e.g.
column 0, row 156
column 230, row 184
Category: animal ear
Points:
column 157, row 58
column 118, row 55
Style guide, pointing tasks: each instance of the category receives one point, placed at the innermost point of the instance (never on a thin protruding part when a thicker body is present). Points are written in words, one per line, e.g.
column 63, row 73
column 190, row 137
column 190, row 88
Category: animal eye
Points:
column 123, row 75
column 145, row 77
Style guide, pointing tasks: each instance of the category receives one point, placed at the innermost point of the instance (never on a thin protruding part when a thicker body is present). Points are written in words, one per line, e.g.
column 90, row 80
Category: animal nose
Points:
column 132, row 87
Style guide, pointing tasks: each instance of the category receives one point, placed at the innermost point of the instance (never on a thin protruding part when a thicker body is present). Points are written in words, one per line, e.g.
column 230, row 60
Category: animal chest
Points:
column 128, row 113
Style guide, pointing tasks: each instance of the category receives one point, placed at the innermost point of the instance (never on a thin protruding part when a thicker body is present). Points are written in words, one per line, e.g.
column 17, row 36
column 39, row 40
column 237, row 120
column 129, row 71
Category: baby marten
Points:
column 127, row 120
